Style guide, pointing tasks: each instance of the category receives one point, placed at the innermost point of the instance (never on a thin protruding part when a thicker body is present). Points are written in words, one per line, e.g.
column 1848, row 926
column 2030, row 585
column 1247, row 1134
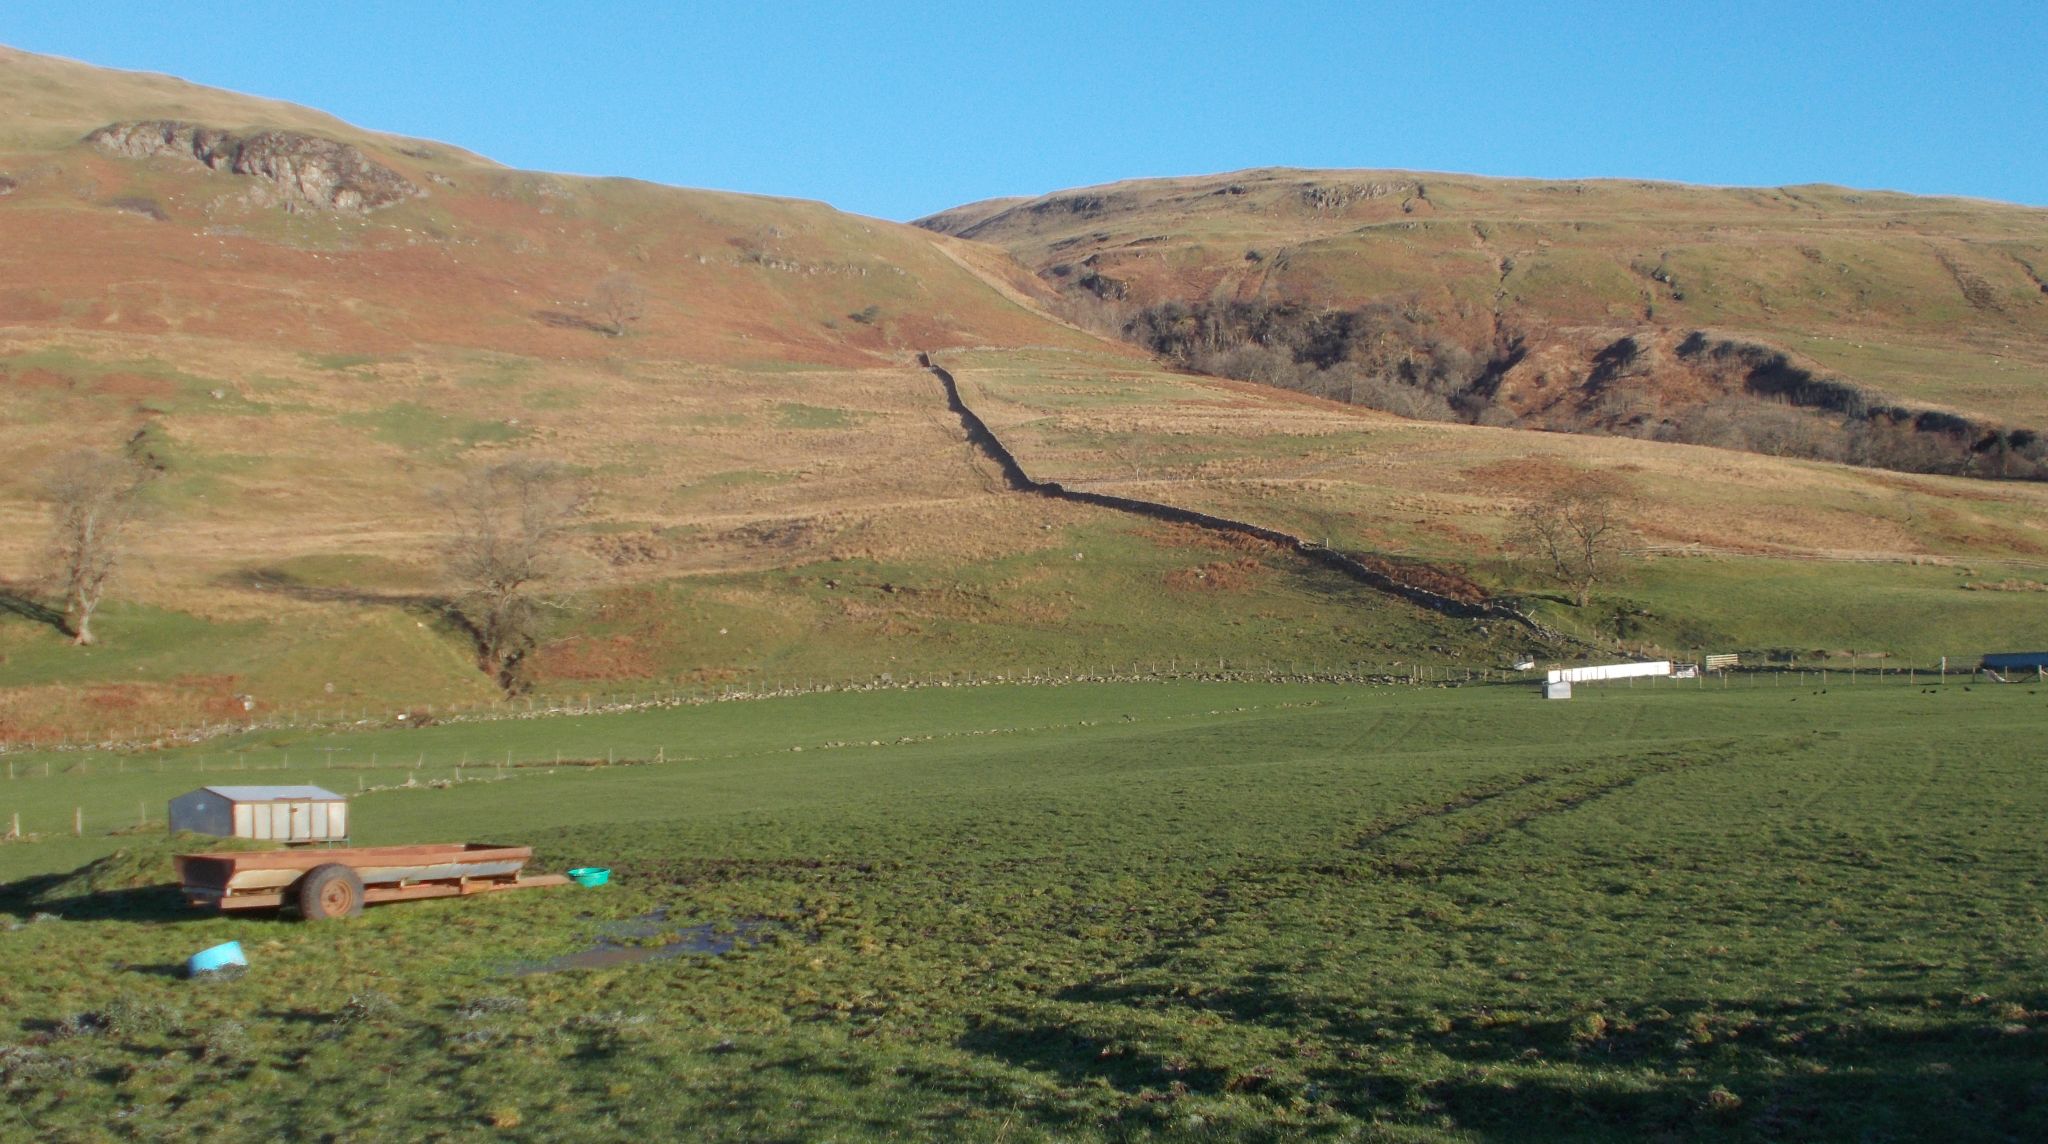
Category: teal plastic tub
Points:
column 225, row 956
column 590, row 875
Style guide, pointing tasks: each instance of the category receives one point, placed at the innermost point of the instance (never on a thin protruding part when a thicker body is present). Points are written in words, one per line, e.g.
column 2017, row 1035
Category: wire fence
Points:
column 1849, row 665
column 111, row 787
column 1917, row 559
column 322, row 717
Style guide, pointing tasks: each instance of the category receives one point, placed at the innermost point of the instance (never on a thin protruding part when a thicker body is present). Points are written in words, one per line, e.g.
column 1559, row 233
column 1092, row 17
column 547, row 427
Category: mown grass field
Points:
column 1185, row 910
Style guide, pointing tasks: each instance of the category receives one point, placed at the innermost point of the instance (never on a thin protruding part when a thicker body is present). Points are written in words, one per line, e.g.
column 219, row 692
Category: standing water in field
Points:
column 625, row 942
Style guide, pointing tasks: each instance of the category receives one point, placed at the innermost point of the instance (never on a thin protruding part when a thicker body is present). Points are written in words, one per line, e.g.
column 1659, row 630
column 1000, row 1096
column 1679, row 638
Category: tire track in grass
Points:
column 1513, row 803
column 1521, row 819
column 1114, row 1025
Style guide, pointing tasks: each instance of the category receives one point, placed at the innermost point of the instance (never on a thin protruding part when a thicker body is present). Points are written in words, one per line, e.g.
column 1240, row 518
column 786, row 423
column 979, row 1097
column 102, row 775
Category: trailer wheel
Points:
column 330, row 891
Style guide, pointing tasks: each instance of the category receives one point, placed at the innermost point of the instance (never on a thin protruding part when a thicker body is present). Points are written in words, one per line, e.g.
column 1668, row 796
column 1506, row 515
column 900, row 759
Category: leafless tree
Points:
column 618, row 302
column 508, row 524
column 95, row 499
column 1578, row 534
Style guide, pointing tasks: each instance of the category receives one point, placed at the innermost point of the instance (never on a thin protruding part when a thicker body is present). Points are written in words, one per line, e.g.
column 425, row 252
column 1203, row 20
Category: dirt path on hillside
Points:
column 1010, row 291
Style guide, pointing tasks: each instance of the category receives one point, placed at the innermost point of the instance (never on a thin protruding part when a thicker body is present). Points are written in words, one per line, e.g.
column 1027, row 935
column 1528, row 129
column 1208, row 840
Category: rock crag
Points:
column 307, row 170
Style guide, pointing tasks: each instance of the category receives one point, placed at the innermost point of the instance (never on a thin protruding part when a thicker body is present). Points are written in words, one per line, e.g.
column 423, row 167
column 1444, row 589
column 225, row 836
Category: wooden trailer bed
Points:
column 340, row 882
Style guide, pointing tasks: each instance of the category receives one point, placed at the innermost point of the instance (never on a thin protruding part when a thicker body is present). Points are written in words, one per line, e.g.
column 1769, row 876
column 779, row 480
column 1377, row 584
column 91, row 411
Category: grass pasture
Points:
column 1183, row 910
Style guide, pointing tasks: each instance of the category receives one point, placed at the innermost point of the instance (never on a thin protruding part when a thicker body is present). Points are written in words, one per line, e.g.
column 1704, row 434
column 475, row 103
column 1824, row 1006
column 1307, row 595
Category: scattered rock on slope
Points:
column 309, row 170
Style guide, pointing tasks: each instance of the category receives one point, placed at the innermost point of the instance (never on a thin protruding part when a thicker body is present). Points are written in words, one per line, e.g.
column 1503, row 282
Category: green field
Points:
column 1184, row 910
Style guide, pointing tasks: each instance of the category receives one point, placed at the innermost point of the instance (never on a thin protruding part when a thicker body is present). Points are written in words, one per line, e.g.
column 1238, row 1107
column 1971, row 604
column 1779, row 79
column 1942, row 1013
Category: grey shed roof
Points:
column 273, row 793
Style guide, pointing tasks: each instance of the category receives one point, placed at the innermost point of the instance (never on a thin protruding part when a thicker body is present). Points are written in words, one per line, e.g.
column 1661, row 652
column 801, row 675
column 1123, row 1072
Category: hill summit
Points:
column 311, row 334
column 1815, row 321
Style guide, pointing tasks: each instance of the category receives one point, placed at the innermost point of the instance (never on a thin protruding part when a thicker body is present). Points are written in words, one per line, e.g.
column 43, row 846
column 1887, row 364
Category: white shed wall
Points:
column 1599, row 672
column 281, row 820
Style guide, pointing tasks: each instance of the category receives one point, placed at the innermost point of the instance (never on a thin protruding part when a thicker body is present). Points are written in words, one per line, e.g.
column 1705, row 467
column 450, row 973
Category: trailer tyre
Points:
column 330, row 891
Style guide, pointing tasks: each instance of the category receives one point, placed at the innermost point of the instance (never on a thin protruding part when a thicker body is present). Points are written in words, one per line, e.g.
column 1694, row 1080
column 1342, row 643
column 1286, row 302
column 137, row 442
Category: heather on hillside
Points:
column 1396, row 356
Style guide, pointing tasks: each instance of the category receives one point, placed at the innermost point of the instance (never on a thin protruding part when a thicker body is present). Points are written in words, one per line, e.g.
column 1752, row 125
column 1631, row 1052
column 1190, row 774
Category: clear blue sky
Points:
column 899, row 109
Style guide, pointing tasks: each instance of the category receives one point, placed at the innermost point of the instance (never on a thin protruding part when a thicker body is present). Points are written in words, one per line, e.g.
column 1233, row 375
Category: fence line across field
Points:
column 1221, row 670
column 315, row 762
column 1912, row 558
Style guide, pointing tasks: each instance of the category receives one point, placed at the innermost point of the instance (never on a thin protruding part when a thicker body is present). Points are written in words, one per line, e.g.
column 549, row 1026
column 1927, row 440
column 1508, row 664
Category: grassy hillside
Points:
column 780, row 495
column 1936, row 303
column 1737, row 550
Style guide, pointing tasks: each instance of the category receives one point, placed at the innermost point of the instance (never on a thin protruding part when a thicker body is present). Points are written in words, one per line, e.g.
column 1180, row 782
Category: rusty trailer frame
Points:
column 340, row 882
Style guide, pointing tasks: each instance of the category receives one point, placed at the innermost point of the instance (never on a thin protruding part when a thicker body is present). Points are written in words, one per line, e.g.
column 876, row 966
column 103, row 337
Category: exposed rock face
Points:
column 308, row 170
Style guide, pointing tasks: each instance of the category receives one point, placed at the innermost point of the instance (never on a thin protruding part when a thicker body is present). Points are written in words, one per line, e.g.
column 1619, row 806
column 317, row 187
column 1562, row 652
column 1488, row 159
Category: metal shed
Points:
column 300, row 814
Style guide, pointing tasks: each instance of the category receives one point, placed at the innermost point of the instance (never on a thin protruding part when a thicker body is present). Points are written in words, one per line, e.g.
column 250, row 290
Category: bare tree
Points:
column 1578, row 534
column 95, row 499
column 508, row 524
column 618, row 302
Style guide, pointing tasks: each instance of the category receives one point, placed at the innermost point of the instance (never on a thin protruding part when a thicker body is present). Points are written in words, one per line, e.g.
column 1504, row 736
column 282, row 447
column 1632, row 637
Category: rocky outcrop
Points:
column 307, row 170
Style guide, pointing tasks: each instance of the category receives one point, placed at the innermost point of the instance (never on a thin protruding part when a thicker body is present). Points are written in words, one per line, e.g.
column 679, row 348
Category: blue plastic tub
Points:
column 223, row 956
column 590, row 875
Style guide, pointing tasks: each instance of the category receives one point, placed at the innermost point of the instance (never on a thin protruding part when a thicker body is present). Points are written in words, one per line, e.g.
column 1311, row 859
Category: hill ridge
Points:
column 1509, row 302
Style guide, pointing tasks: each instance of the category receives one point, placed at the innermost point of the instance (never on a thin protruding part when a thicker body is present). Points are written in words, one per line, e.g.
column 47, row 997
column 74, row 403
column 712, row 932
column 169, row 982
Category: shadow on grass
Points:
column 280, row 583
column 1886, row 1067
column 441, row 610
column 18, row 602
column 566, row 321
column 31, row 896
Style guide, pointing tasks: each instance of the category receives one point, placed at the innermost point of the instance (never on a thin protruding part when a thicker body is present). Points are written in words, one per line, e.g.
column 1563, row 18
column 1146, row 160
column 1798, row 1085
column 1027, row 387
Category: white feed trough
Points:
column 1601, row 672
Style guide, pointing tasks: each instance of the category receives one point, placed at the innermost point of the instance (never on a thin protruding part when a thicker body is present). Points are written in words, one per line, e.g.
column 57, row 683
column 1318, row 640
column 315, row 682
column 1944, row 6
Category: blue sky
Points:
column 900, row 109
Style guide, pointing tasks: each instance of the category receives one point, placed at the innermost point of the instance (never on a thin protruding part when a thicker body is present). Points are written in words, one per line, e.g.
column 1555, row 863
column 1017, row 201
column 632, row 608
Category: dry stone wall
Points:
column 983, row 438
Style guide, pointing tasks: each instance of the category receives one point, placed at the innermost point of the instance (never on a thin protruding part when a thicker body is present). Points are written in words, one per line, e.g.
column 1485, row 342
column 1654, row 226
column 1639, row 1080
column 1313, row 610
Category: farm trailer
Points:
column 339, row 883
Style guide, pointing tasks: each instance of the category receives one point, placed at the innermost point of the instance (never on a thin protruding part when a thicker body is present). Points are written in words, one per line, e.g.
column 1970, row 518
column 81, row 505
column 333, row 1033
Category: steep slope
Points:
column 1607, row 306
column 308, row 328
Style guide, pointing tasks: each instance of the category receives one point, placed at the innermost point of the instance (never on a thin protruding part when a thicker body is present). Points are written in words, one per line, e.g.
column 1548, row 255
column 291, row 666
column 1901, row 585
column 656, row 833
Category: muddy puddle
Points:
column 625, row 943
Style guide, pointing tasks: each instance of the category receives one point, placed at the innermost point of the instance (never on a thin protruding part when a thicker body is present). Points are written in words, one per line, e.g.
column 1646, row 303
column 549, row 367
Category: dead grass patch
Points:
column 593, row 658
column 1184, row 536
column 1219, row 576
column 49, row 711
column 1523, row 476
column 134, row 385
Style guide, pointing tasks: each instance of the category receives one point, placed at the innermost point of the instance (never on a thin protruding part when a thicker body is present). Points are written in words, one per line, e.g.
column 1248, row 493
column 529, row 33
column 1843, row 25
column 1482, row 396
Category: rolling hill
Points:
column 1910, row 332
column 309, row 327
